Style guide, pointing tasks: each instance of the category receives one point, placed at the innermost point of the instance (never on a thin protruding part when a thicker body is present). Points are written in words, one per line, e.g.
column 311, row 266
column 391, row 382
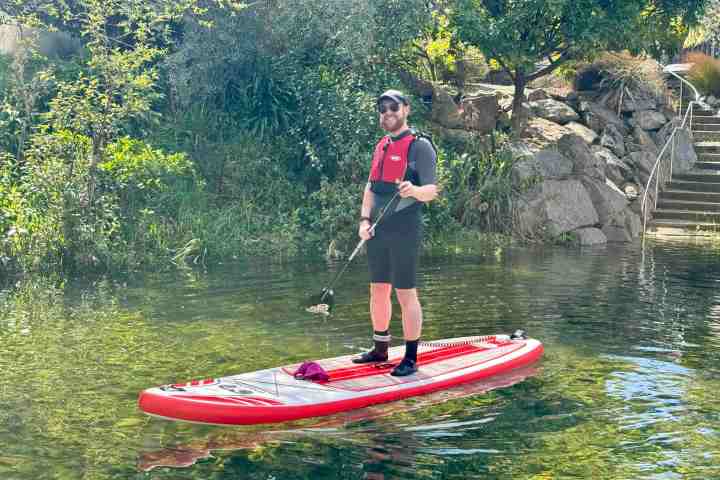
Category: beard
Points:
column 392, row 123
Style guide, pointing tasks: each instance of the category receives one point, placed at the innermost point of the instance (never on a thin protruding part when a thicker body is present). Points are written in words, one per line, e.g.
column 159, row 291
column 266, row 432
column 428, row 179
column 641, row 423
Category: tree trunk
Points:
column 520, row 113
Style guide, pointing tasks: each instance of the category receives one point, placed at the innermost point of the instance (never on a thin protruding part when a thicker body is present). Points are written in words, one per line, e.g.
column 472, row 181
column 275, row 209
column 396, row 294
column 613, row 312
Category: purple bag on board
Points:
column 311, row 371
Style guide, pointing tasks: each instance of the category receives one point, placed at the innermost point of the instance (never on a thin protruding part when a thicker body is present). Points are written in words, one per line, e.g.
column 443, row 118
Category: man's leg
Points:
column 412, row 328
column 411, row 313
column 380, row 306
column 380, row 313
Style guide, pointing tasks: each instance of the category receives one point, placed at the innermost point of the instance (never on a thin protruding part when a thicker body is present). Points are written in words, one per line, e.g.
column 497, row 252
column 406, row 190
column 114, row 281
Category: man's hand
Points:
column 364, row 231
column 406, row 189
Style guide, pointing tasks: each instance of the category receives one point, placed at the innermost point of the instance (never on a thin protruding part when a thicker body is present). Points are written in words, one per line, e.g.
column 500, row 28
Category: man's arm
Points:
column 425, row 193
column 366, row 208
column 425, row 160
column 365, row 211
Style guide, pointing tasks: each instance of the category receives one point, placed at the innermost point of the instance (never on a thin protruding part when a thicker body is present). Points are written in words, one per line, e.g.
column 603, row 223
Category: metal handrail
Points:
column 656, row 167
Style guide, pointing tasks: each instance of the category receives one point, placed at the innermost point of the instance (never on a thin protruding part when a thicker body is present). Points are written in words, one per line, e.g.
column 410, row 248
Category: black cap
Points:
column 394, row 95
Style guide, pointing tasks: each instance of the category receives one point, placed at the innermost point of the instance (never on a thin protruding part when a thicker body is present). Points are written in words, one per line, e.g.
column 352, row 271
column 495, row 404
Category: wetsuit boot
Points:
column 408, row 366
column 380, row 352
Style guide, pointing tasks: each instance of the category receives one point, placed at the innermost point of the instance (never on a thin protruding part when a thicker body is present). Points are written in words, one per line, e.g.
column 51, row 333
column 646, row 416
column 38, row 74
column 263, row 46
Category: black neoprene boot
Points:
column 379, row 353
column 404, row 368
column 408, row 366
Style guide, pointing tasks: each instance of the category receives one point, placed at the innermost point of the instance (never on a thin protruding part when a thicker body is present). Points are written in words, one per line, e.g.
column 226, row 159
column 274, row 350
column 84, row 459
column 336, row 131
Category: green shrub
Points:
column 617, row 70
column 328, row 219
column 47, row 204
column 479, row 189
column 705, row 73
column 141, row 174
column 210, row 230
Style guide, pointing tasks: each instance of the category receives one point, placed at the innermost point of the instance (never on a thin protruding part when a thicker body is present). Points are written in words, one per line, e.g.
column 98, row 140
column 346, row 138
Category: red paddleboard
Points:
column 275, row 395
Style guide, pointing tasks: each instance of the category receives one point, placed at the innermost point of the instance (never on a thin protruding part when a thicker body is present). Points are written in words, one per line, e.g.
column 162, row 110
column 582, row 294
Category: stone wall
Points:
column 583, row 160
column 603, row 144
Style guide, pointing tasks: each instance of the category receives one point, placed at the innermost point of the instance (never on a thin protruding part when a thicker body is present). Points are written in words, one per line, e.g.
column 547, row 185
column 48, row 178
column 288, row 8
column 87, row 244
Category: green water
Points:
column 627, row 389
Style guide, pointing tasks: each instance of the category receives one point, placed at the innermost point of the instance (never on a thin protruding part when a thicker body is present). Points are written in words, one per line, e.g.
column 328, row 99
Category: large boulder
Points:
column 607, row 199
column 584, row 162
column 444, row 109
column 643, row 161
column 480, row 113
column 535, row 95
column 634, row 101
column 582, row 131
column 555, row 207
column 615, row 169
column 644, row 141
column 662, row 135
column 624, row 226
column 554, row 111
column 547, row 163
column 649, row 119
column 589, row 236
column 540, row 133
column 614, row 140
column 597, row 117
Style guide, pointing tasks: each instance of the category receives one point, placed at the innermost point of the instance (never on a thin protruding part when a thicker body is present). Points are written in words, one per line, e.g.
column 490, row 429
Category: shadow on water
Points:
column 626, row 389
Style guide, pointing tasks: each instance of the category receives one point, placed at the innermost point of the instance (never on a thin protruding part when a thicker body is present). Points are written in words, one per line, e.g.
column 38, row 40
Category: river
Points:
column 627, row 388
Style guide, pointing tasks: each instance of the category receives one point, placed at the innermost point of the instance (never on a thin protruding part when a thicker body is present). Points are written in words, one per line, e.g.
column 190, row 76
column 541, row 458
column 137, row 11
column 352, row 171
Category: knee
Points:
column 380, row 290
column 407, row 297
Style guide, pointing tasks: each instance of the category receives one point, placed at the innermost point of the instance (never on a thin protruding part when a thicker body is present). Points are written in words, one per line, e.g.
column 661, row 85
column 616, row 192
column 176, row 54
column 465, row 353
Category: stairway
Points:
column 690, row 203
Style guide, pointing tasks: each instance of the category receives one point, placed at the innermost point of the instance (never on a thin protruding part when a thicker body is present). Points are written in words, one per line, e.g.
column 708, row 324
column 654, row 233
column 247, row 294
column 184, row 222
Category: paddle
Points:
column 323, row 302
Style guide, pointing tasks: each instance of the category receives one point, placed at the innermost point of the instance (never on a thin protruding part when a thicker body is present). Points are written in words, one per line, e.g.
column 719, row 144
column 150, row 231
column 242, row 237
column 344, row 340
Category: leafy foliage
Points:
column 531, row 38
column 272, row 105
column 479, row 188
column 705, row 73
column 710, row 22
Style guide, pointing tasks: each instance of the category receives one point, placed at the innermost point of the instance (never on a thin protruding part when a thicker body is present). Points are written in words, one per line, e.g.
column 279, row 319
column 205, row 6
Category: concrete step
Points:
column 672, row 230
column 710, row 177
column 704, row 187
column 706, row 135
column 708, row 157
column 697, row 113
column 705, row 117
column 689, row 196
column 703, row 165
column 705, row 127
column 660, row 215
column 682, row 227
column 707, row 147
column 687, row 206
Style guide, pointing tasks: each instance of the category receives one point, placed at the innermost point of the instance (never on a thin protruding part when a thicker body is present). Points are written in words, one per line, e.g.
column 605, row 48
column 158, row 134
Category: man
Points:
column 403, row 163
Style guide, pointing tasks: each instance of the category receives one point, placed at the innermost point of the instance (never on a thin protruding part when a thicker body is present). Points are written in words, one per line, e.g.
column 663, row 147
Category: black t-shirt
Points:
column 422, row 166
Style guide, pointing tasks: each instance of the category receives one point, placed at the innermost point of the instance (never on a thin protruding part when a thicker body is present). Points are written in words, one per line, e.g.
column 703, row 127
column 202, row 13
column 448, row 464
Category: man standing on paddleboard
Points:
column 404, row 162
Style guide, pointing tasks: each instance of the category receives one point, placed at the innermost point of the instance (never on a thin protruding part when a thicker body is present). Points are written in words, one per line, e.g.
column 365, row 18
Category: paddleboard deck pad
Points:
column 275, row 395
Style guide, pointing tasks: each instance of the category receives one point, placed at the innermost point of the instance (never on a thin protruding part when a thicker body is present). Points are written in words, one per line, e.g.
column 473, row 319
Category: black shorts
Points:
column 393, row 251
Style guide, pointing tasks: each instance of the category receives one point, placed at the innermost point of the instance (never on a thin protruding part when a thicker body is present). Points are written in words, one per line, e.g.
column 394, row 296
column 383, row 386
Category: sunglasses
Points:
column 383, row 107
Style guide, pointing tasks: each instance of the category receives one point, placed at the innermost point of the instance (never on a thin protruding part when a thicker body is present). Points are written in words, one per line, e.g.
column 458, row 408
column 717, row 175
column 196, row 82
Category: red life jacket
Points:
column 390, row 159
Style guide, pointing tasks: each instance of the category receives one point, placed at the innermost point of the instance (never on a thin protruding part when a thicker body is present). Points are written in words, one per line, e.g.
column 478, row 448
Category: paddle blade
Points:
column 322, row 303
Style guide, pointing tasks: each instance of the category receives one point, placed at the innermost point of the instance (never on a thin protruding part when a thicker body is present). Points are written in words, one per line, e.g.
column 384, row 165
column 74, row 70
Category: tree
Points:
column 302, row 71
column 68, row 205
column 710, row 22
column 532, row 38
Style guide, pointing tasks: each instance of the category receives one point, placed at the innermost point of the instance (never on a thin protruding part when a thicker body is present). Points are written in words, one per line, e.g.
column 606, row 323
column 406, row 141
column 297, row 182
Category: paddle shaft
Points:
column 327, row 290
